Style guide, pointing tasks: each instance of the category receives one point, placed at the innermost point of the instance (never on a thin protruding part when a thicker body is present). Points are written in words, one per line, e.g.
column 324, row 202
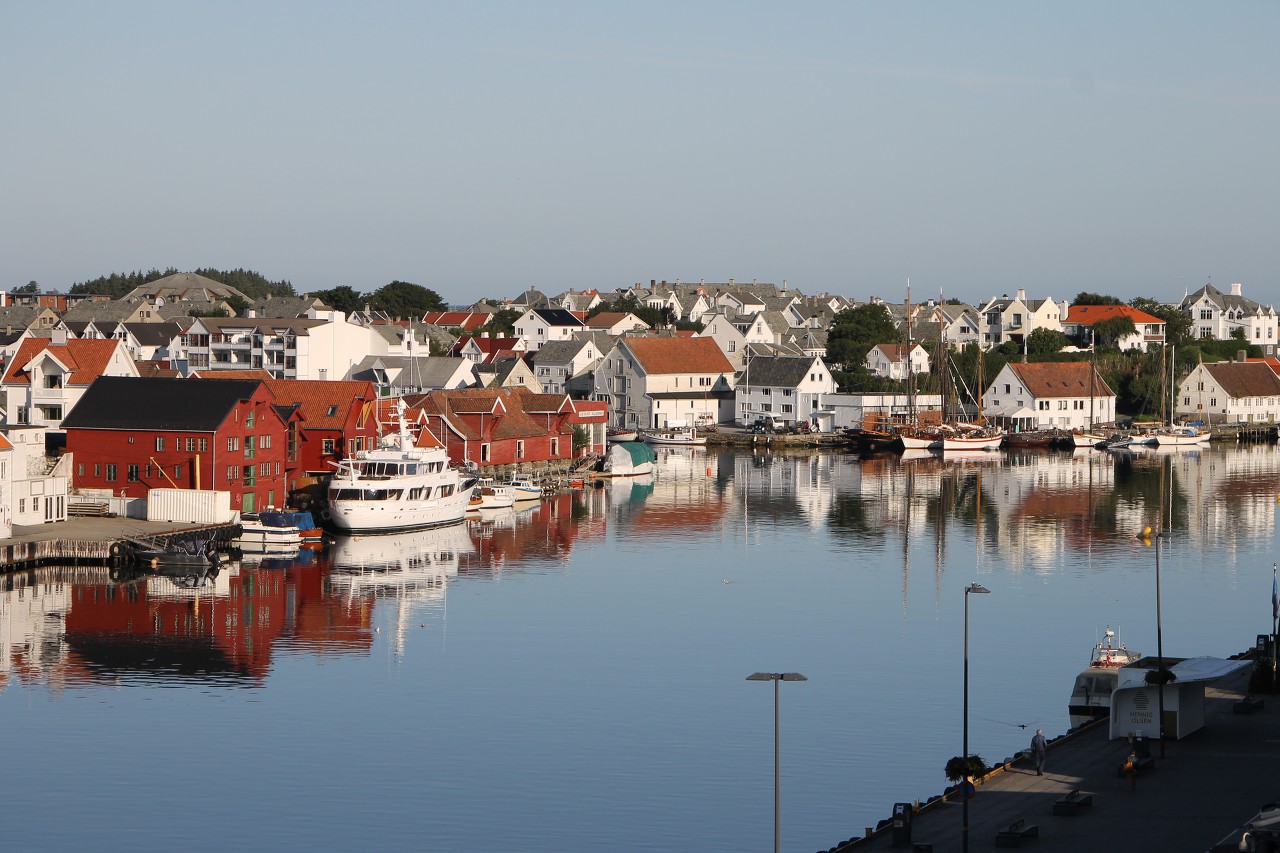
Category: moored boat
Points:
column 922, row 438
column 630, row 459
column 1087, row 439
column 258, row 537
column 972, row 437
column 1091, row 693
column 494, row 495
column 524, row 488
column 615, row 434
column 397, row 487
column 1185, row 436
column 684, row 435
column 1030, row 438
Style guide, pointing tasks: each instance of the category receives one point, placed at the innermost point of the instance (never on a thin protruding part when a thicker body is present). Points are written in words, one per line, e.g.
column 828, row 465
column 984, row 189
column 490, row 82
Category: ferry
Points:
column 1091, row 694
column 398, row 487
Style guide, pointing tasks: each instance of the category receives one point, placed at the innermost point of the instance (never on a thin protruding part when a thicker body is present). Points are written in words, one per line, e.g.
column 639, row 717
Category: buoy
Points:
column 1145, row 534
column 708, row 470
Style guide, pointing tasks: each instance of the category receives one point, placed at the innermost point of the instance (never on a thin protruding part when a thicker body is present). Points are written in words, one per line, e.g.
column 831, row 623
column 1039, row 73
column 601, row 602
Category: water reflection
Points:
column 1026, row 509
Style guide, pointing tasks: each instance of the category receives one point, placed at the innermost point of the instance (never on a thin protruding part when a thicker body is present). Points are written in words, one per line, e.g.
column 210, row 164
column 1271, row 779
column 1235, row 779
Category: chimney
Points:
column 784, row 285
column 59, row 337
column 1022, row 295
column 4, row 299
column 1235, row 289
column 653, row 282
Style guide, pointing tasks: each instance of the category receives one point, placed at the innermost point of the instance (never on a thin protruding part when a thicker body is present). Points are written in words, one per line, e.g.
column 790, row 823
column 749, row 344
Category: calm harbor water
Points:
column 572, row 676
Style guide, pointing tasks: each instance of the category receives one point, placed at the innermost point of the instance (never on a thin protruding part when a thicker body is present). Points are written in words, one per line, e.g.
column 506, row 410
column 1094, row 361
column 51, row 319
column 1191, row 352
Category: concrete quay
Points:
column 1196, row 799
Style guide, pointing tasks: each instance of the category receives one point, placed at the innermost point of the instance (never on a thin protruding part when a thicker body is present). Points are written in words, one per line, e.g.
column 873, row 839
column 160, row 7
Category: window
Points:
column 177, row 472
column 204, row 445
column 248, row 420
column 250, row 442
column 264, row 441
column 111, row 472
column 233, row 442
column 232, row 471
column 555, row 447
column 22, row 505
column 249, row 478
column 53, row 380
column 333, row 410
column 97, row 469
column 519, row 449
column 80, row 469
column 277, row 467
column 326, row 447
column 132, row 474
column 149, row 472
column 159, row 443
column 484, row 453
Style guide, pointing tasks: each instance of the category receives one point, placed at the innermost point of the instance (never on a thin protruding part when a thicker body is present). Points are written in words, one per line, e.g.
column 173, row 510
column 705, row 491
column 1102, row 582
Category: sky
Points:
column 484, row 148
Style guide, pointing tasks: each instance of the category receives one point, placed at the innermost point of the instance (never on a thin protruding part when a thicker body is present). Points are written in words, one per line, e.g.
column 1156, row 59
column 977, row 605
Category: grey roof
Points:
column 1224, row 301
column 558, row 352
column 424, row 371
column 114, row 311
column 285, row 306
column 183, row 308
column 15, row 318
column 125, row 402
column 185, row 285
column 299, row 325
column 531, row 298
column 778, row 371
column 154, row 334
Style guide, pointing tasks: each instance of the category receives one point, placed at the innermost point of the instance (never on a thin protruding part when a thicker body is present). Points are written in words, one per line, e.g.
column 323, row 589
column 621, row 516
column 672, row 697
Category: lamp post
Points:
column 1160, row 642
column 775, row 677
column 964, row 799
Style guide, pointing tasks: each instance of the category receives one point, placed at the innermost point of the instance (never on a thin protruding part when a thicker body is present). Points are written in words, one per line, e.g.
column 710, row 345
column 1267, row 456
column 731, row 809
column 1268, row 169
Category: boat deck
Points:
column 1196, row 798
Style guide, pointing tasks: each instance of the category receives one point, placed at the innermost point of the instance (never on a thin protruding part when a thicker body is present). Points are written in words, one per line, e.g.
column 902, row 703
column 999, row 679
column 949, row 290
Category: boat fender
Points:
column 117, row 550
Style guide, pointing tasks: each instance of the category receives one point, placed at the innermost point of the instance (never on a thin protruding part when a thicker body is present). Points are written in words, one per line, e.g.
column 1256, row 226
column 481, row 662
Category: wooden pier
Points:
column 100, row 541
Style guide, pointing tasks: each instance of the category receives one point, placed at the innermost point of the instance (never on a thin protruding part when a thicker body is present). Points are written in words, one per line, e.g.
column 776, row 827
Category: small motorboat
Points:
column 684, row 436
column 258, row 537
column 616, row 434
column 1091, row 693
column 524, row 488
column 495, row 496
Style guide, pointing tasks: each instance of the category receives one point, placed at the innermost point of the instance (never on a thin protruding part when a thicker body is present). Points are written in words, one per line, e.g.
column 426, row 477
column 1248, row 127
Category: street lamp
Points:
column 964, row 797
column 775, row 677
column 1147, row 536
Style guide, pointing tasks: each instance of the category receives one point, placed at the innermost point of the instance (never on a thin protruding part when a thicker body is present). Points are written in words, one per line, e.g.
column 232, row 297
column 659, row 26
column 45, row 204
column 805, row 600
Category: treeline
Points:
column 249, row 282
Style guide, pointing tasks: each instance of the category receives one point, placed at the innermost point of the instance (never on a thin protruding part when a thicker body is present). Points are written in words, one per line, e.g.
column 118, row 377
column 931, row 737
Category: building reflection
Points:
column 60, row 627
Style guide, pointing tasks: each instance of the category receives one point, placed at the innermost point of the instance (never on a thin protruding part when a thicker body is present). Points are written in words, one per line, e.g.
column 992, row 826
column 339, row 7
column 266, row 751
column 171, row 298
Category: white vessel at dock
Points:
column 398, row 487
column 1091, row 693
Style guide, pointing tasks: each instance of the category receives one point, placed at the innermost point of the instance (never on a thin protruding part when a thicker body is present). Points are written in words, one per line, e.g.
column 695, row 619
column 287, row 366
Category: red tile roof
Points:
column 324, row 403
column 86, row 359
column 215, row 373
column 678, row 355
column 1087, row 315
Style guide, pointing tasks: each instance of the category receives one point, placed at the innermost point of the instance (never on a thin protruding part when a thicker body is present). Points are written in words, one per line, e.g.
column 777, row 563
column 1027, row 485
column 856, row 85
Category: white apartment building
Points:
column 325, row 346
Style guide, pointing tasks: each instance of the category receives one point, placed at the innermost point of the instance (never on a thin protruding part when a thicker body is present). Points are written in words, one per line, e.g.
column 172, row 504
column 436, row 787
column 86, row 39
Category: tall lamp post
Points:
column 775, row 677
column 1160, row 642
column 964, row 799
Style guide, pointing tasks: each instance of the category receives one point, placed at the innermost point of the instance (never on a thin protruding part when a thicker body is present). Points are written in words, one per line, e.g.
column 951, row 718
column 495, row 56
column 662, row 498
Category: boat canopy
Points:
column 638, row 451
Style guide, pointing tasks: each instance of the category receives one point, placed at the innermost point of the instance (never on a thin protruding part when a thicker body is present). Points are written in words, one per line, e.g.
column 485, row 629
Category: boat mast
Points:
column 911, row 375
column 1093, row 371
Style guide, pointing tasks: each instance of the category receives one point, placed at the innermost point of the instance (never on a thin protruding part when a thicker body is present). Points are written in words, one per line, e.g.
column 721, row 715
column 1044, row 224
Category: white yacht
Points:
column 398, row 487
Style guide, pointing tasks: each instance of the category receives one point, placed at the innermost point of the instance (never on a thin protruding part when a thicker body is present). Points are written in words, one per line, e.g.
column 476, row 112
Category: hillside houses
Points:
column 1221, row 316
column 1049, row 395
column 1230, row 392
column 661, row 382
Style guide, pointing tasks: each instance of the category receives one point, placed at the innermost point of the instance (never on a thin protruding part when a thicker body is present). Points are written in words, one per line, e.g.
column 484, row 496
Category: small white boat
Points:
column 1087, row 439
column 259, row 538
column 686, row 436
column 494, row 496
column 620, row 435
column 524, row 489
column 921, row 439
column 1091, row 693
column 630, row 459
column 1182, row 436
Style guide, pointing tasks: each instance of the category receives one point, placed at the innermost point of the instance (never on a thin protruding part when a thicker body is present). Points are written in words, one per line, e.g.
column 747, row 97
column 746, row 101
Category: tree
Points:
column 1043, row 341
column 1109, row 331
column 341, row 298
column 1085, row 298
column 1177, row 323
column 405, row 299
column 856, row 330
column 629, row 304
column 29, row 287
column 501, row 323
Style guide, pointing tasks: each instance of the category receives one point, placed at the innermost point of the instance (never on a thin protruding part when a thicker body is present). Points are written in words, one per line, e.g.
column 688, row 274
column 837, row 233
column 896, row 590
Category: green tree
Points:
column 405, row 299
column 342, row 298
column 629, row 304
column 1108, row 332
column 1043, row 341
column 502, row 323
column 29, row 287
column 1086, row 298
column 856, row 330
column 1177, row 323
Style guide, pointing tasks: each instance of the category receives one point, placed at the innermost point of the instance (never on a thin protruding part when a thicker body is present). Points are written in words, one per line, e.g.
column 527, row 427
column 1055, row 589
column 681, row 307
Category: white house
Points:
column 615, row 323
column 788, row 389
column 538, row 326
column 1230, row 392
column 47, row 377
column 1004, row 319
column 1218, row 315
column 665, row 381
column 558, row 363
column 727, row 335
column 892, row 361
column 38, row 484
column 1148, row 329
column 6, row 488
column 1067, row 395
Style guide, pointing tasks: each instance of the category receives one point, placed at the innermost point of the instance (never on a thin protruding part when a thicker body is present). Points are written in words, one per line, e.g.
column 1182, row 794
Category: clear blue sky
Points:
column 482, row 148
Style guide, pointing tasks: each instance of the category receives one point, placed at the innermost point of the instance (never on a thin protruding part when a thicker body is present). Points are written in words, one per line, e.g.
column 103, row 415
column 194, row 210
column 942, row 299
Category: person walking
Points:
column 1039, row 746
